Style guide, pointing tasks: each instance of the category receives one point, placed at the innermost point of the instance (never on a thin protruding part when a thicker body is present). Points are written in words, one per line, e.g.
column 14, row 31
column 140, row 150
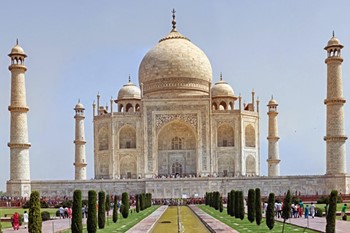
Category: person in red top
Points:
column 15, row 221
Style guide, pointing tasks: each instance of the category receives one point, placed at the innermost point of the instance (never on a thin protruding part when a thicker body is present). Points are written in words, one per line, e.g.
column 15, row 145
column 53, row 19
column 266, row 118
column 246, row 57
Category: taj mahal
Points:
column 178, row 132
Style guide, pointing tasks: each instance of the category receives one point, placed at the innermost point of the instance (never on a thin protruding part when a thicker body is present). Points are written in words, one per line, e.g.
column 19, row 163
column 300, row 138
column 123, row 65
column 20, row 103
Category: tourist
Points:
column 343, row 210
column 15, row 221
column 25, row 219
column 307, row 211
column 61, row 212
column 312, row 210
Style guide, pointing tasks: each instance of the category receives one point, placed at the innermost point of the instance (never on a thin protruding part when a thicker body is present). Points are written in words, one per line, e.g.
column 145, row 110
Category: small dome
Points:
column 129, row 91
column 17, row 50
column 333, row 41
column 79, row 106
column 222, row 89
column 272, row 102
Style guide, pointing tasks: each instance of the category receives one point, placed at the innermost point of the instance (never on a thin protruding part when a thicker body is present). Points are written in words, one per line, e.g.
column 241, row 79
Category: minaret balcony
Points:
column 339, row 138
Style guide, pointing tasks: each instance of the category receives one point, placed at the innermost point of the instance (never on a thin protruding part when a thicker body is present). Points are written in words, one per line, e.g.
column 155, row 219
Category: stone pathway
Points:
column 147, row 223
column 319, row 224
column 213, row 223
column 52, row 226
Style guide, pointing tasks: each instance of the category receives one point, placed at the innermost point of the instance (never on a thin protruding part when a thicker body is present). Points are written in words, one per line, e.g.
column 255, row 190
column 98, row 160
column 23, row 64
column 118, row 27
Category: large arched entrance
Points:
column 177, row 155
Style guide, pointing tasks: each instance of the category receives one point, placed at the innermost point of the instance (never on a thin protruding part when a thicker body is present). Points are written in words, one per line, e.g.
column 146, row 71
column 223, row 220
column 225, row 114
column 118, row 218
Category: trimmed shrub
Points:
column 92, row 215
column 228, row 204
column 125, row 204
column 251, row 205
column 57, row 213
column 108, row 204
column 286, row 208
column 35, row 222
column 45, row 216
column 142, row 201
column 44, row 204
column 137, row 197
column 101, row 209
column 221, row 207
column 237, row 204
column 67, row 203
column 0, row 227
column 270, row 211
column 115, row 209
column 241, row 205
column 332, row 208
column 318, row 212
column 77, row 215
column 233, row 202
column 258, row 213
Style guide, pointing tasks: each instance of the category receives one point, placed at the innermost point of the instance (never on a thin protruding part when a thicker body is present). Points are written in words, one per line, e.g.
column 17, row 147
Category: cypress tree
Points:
column 332, row 207
column 137, row 197
column 77, row 215
column 92, row 215
column 237, row 202
column 0, row 227
column 241, row 205
column 216, row 200
column 115, row 209
column 233, row 202
column 270, row 212
column 228, row 204
column 101, row 210
column 206, row 198
column 125, row 204
column 286, row 208
column 108, row 204
column 34, row 221
column 221, row 207
column 258, row 214
column 251, row 205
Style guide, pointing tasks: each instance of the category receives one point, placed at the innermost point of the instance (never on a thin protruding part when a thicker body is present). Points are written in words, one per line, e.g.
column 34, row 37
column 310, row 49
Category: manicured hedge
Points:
column 35, row 222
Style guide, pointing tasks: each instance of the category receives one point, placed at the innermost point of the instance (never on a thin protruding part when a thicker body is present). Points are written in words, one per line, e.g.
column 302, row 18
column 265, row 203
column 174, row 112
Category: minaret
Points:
column 335, row 136
column 273, row 156
column 19, row 183
column 80, row 158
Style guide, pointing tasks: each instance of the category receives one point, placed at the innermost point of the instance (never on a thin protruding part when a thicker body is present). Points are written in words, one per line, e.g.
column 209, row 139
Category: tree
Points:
column 233, row 202
column 0, row 227
column 241, row 205
column 77, row 215
column 332, row 207
column 287, row 202
column 101, row 209
column 108, row 204
column 125, row 205
column 142, row 201
column 92, row 215
column 237, row 202
column 34, row 221
column 270, row 212
column 137, row 197
column 115, row 209
column 228, row 203
column 258, row 214
column 221, row 207
column 251, row 205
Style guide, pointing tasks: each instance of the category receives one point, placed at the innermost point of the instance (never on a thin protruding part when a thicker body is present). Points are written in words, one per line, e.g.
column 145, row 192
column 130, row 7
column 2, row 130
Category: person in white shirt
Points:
column 25, row 219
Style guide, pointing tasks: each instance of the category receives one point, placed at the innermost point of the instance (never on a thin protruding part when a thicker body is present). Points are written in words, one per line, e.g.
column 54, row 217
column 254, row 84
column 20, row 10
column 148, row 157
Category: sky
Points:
column 79, row 48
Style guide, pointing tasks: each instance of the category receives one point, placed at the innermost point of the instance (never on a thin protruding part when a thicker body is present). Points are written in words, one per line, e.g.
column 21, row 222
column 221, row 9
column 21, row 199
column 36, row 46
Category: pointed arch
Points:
column 225, row 136
column 127, row 137
column 103, row 139
column 222, row 105
column 226, row 166
column 128, row 168
column 250, row 166
column 249, row 136
column 214, row 106
column 129, row 108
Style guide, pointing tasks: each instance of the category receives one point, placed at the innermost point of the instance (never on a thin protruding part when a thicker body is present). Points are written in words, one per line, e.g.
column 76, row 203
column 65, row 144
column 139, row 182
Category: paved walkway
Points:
column 213, row 223
column 51, row 226
column 319, row 224
column 147, row 223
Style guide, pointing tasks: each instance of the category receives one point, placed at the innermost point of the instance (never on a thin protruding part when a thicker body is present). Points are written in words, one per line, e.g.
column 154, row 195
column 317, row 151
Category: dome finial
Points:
column 174, row 21
column 271, row 97
column 333, row 34
column 129, row 79
column 17, row 41
column 220, row 76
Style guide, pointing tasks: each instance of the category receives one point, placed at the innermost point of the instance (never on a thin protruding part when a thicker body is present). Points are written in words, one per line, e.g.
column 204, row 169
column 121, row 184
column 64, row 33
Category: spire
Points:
column 333, row 34
column 129, row 79
column 220, row 76
column 174, row 21
column 17, row 41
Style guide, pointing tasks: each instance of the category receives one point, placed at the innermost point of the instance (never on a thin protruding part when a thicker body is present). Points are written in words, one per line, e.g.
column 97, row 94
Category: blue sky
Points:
column 77, row 48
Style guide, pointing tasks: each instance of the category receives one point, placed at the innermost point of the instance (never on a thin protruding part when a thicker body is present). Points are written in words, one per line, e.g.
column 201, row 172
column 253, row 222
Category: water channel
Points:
column 178, row 219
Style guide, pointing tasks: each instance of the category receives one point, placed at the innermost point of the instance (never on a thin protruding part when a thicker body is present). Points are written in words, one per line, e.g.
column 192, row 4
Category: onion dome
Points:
column 222, row 89
column 334, row 42
column 129, row 91
column 79, row 106
column 17, row 50
column 175, row 64
column 272, row 102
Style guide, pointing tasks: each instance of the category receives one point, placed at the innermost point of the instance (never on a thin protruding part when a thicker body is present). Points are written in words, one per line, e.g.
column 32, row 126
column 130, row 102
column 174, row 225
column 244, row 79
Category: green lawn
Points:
column 4, row 211
column 245, row 226
column 122, row 225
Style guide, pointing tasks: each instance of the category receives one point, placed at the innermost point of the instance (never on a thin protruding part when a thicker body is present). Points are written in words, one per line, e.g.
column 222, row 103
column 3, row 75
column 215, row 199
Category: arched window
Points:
column 129, row 108
column 249, row 136
column 215, row 106
column 223, row 106
column 127, row 137
column 176, row 143
column 137, row 107
column 103, row 139
column 176, row 168
column 121, row 108
column 225, row 136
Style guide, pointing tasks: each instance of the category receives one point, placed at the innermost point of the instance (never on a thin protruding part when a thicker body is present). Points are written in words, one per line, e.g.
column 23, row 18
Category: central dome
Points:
column 175, row 67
